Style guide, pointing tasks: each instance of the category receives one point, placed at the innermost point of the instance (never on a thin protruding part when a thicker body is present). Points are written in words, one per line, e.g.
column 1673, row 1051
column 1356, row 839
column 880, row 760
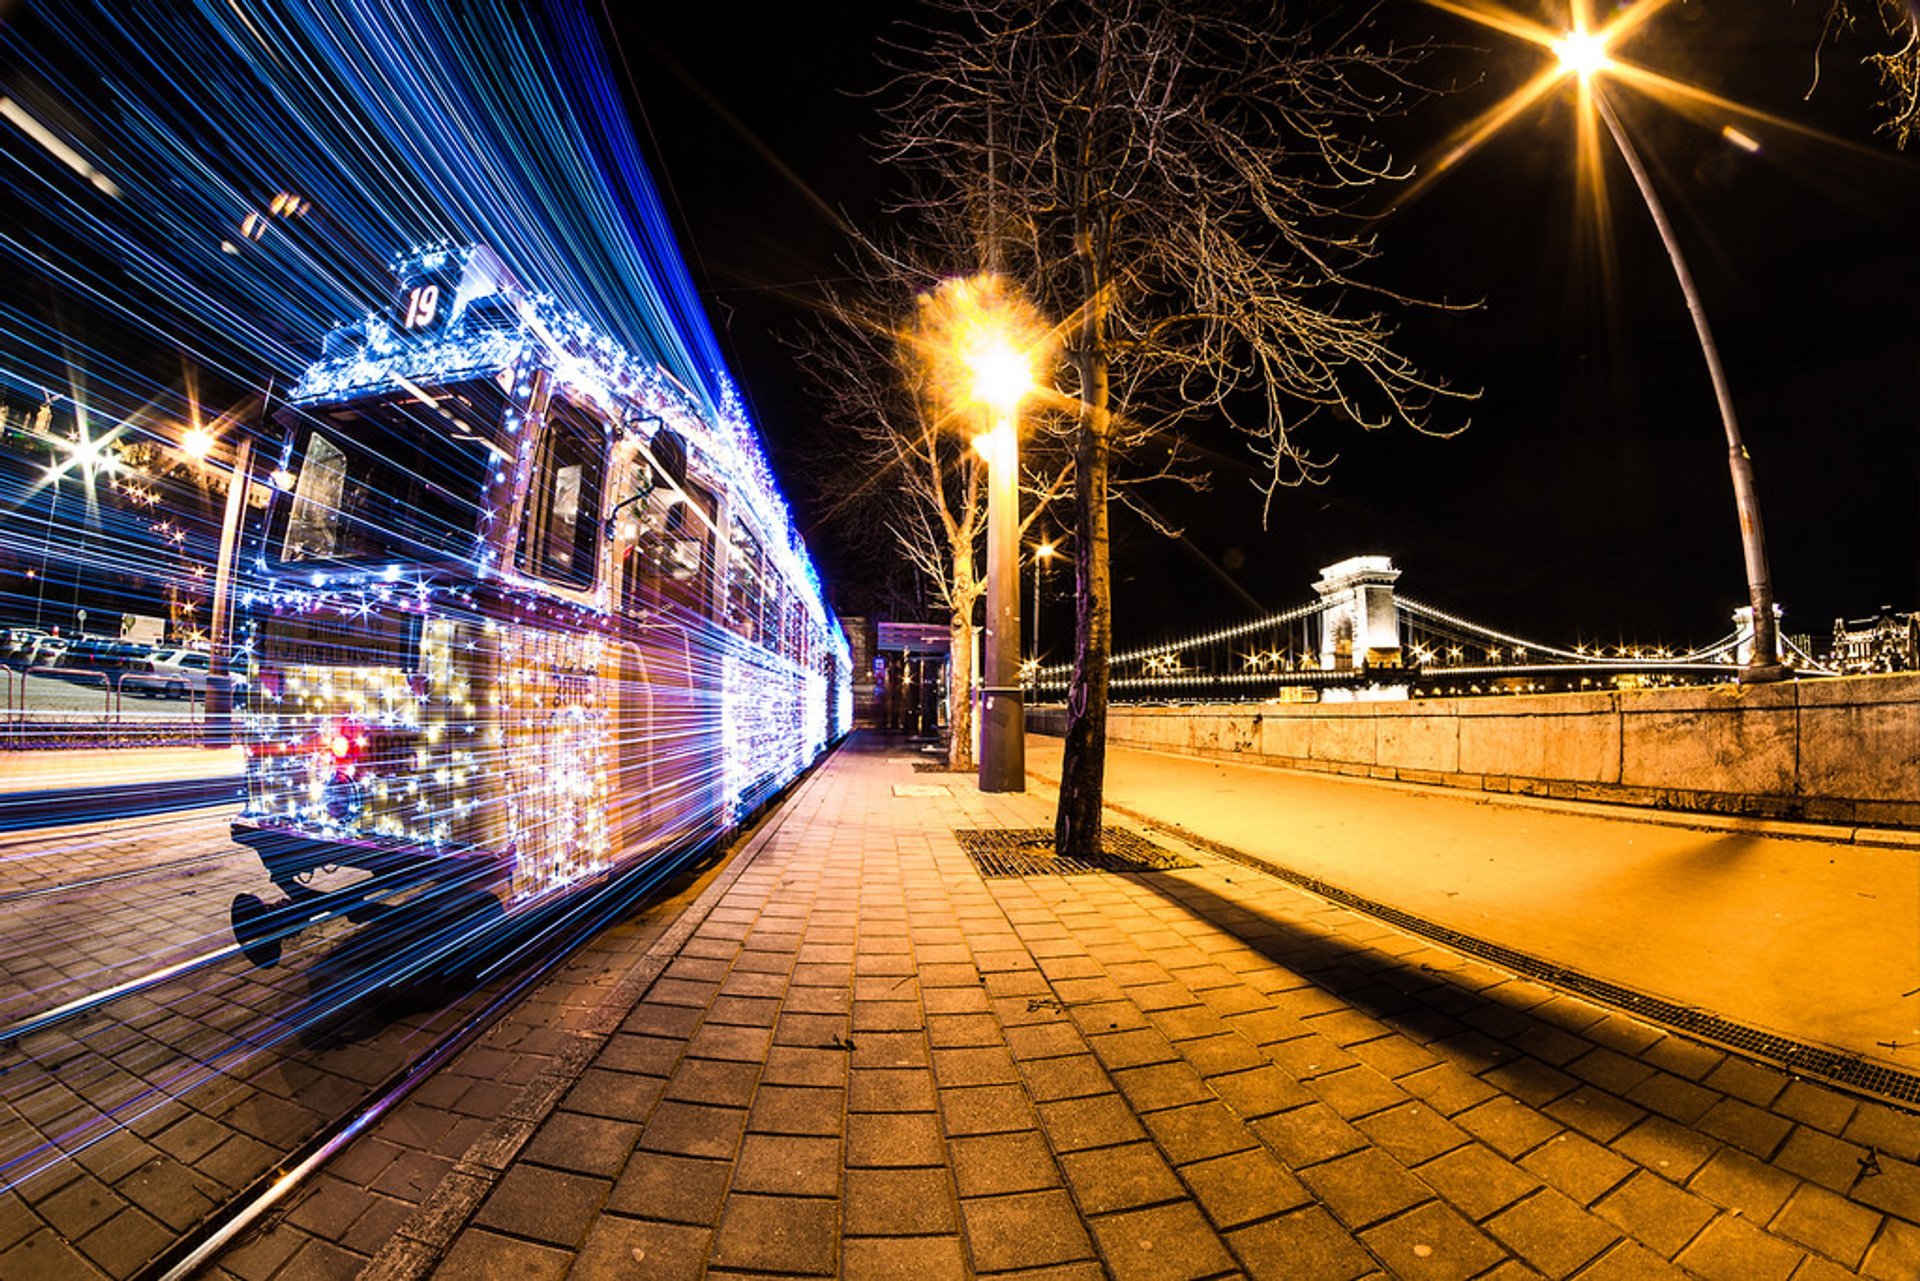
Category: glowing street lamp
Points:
column 1001, row 378
column 198, row 443
column 1584, row 55
column 1043, row 555
column 976, row 343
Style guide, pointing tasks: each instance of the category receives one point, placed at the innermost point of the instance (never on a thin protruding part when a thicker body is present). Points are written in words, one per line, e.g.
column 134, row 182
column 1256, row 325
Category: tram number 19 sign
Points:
column 423, row 307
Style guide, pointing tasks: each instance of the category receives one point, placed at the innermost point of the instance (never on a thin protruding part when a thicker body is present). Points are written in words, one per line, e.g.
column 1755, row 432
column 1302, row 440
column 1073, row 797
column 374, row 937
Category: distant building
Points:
column 1886, row 642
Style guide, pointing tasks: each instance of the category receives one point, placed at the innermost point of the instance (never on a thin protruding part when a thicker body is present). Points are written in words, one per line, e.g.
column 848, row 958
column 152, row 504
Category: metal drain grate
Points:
column 1028, row 851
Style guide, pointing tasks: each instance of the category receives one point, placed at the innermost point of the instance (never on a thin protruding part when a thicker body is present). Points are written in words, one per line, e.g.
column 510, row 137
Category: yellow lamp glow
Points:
column 1582, row 52
column 196, row 443
column 1001, row 375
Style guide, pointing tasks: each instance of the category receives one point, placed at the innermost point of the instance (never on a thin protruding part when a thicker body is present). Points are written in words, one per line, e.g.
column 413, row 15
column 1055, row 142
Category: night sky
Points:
column 1588, row 497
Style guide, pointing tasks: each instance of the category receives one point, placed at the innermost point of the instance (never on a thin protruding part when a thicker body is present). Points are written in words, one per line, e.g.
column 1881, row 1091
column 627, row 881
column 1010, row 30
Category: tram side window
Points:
column 562, row 535
column 668, row 561
column 744, row 583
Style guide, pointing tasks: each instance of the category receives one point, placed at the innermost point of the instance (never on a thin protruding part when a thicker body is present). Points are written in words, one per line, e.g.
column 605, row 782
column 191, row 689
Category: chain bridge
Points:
column 1362, row 639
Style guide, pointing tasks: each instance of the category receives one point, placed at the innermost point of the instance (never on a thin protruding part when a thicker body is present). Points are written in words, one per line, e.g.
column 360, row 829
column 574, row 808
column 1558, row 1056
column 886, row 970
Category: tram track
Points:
column 580, row 923
column 8, row 898
column 14, row 1032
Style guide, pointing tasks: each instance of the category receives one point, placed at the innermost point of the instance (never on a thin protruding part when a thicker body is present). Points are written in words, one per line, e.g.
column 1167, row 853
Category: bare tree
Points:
column 1170, row 182
column 1898, row 66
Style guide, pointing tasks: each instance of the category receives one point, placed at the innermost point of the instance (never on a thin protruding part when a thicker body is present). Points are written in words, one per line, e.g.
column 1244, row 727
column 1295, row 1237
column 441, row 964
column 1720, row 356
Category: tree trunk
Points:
column 960, row 694
column 1076, row 832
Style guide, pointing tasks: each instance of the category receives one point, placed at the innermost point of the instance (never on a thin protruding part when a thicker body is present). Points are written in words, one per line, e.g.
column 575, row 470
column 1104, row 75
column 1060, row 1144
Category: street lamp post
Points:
column 1042, row 557
column 1001, row 379
column 1764, row 665
column 1003, row 742
column 980, row 341
column 1583, row 55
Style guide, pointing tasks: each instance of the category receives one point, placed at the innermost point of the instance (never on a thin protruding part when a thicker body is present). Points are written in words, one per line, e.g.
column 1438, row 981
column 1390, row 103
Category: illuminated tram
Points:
column 521, row 616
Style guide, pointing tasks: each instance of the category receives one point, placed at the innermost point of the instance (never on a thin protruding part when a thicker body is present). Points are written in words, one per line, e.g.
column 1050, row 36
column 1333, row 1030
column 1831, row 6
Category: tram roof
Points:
column 490, row 328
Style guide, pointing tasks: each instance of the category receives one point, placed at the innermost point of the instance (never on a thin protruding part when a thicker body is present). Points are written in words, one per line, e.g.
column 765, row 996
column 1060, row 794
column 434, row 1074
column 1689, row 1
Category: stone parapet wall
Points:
column 1845, row 750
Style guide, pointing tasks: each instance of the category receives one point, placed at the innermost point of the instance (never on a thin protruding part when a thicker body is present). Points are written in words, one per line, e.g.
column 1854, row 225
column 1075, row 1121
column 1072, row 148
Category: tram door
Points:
column 669, row 735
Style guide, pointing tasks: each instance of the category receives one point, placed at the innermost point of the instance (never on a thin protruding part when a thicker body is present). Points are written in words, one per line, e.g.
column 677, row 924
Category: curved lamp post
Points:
column 1584, row 55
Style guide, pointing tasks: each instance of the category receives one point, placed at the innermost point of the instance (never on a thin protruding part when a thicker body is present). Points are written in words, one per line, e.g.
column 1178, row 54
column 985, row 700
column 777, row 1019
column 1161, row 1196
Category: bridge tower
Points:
column 1359, row 621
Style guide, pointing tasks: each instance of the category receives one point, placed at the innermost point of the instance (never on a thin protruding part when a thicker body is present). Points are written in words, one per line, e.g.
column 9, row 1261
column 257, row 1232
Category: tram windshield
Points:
column 388, row 481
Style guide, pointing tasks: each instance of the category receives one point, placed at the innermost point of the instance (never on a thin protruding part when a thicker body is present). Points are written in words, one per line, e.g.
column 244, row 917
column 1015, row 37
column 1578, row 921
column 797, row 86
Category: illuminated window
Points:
column 668, row 562
column 562, row 533
column 745, row 583
column 382, row 482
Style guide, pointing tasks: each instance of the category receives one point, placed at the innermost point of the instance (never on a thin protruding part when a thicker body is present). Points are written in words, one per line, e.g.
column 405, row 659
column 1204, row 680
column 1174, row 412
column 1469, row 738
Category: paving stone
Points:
column 688, row 1129
column 1030, row 1230
column 583, row 1144
column 1816, row 1155
column 890, row 1090
column 1732, row 1249
column 1552, row 1233
column 1101, row 1120
column 1364, row 1187
column 477, row 1253
column 1160, row 1243
column 900, row 1203
column 1746, row 1080
column 1120, row 1178
column 903, row 1259
column 1197, row 1131
column 619, row 1247
column 620, row 1096
column 986, row 1109
column 1065, row 1078
column 713, row 1082
column 1477, row 1180
column 1746, row 1127
column 1675, row 1096
column 788, row 1165
column 1683, row 1057
column 1896, row 1189
column 798, row 1109
column 1446, row 1088
column 1665, row 1148
column 1886, row 1130
column 1305, row 1246
column 1412, row 1132
column 1833, row 1225
column 1577, row 1166
column 1815, row 1105
column 1739, row 1182
column 777, row 1234
column 1432, row 1243
column 1895, row 1253
column 1162, row 1085
column 544, row 1205
column 1631, row 1261
column 1242, row 1187
column 127, row 1242
column 995, row 1164
column 1309, row 1134
column 1656, row 1212
column 1508, row 1125
column 894, row 1139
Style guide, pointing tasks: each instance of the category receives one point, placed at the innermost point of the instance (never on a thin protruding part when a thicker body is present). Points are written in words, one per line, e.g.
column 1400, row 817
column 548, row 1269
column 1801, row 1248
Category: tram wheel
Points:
column 256, row 930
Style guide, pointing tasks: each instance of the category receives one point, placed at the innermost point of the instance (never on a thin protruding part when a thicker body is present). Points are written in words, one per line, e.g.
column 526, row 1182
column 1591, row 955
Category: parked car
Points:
column 19, row 645
column 169, row 673
column 46, row 652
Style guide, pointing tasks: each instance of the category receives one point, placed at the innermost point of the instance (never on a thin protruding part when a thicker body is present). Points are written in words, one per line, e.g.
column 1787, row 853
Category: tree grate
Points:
column 1028, row 851
column 1835, row 1066
column 934, row 767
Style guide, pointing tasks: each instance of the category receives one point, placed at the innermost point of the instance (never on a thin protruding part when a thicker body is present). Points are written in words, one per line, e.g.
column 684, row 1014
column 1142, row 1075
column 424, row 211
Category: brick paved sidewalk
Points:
column 866, row 1060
